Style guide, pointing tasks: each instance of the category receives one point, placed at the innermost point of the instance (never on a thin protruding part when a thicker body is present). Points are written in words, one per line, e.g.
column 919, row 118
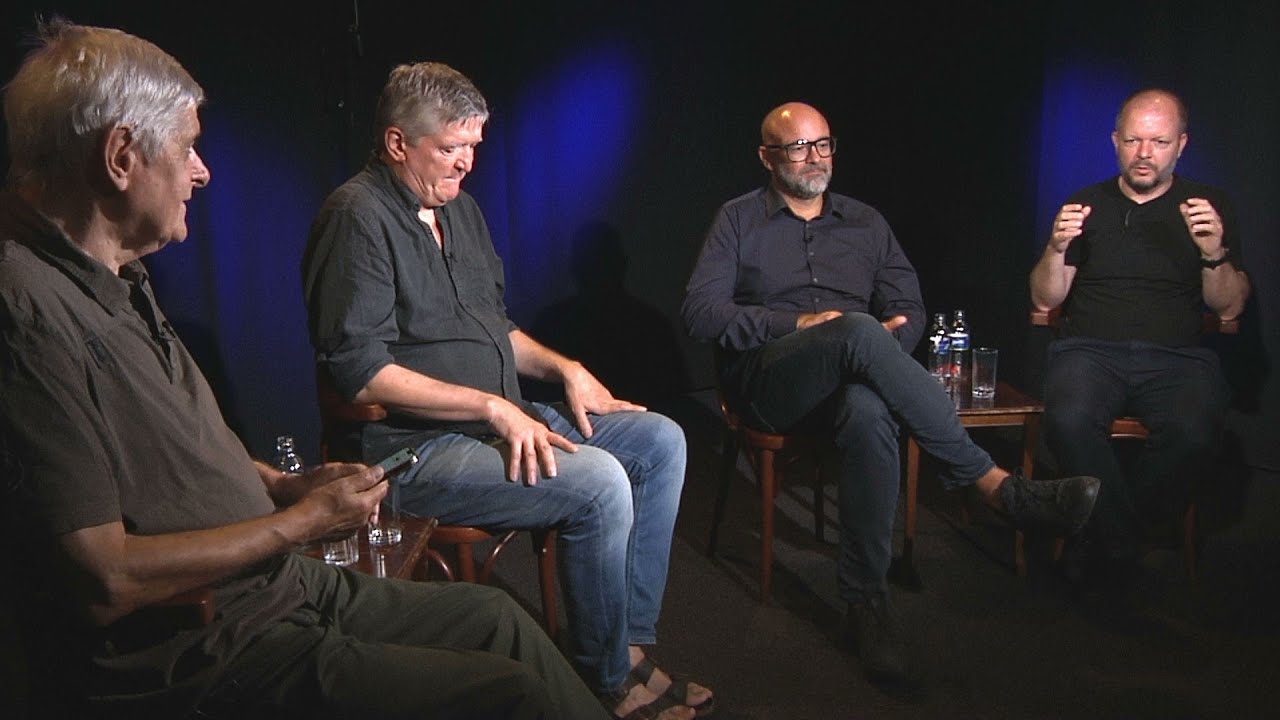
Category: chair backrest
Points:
column 340, row 419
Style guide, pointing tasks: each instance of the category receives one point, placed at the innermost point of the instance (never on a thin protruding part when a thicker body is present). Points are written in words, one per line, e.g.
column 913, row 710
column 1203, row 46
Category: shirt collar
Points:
column 382, row 170
column 48, row 241
column 774, row 204
column 1114, row 189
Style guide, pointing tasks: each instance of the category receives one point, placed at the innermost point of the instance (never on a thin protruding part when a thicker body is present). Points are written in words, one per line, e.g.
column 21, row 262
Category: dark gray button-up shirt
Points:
column 379, row 290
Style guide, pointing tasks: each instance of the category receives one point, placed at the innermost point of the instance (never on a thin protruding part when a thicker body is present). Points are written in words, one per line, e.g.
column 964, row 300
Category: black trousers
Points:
column 848, row 378
column 1179, row 394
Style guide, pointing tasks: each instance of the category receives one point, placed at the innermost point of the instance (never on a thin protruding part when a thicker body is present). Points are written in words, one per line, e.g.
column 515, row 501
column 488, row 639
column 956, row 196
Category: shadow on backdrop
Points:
column 626, row 343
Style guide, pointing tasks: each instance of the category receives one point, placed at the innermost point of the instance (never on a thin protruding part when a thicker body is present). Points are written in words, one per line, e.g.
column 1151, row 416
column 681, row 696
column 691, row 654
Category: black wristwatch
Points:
column 1211, row 264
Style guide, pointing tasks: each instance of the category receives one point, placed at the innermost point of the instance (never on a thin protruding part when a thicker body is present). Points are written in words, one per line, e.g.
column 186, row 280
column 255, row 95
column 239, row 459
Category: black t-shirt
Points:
column 1137, row 268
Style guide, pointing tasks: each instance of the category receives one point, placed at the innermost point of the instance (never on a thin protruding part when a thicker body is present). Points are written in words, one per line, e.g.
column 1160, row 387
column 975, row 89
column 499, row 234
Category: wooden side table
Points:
column 403, row 560
column 1009, row 408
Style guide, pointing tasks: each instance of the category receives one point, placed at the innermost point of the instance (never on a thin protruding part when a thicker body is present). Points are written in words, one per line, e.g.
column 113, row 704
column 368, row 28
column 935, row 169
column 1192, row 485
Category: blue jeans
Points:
column 850, row 378
column 613, row 502
column 1179, row 394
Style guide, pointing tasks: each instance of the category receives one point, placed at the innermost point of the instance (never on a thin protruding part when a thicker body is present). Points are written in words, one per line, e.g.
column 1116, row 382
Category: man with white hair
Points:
column 124, row 487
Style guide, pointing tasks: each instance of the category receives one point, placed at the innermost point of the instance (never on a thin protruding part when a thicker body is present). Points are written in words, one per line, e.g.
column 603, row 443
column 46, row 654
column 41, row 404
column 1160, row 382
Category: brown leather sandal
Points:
column 677, row 692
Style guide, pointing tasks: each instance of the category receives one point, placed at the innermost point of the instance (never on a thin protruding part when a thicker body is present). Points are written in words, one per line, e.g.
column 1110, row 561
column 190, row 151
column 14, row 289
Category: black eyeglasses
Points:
column 799, row 150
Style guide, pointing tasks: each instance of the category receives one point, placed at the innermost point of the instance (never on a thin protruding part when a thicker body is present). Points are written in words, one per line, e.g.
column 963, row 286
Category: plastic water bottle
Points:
column 940, row 350
column 959, row 337
column 339, row 552
column 287, row 459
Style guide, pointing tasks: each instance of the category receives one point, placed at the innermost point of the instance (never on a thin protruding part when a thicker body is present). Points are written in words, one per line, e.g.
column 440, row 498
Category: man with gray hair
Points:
column 814, row 309
column 405, row 299
column 124, row 486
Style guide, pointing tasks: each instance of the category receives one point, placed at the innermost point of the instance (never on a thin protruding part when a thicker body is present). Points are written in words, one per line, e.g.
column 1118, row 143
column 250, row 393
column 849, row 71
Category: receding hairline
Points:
column 1150, row 96
column 777, row 115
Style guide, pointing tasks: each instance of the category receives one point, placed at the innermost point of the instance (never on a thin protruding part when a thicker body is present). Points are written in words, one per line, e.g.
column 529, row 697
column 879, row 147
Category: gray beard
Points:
column 804, row 188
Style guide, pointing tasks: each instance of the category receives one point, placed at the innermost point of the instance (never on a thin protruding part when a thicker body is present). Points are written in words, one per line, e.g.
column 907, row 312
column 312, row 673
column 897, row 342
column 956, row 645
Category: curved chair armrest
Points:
column 1045, row 318
column 1211, row 323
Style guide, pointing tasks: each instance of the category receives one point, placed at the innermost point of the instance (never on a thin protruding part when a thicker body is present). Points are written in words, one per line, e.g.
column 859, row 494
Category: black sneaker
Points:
column 875, row 637
column 1054, row 507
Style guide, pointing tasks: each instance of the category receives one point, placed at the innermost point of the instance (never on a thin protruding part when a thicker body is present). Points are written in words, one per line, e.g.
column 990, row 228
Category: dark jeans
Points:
column 382, row 648
column 1179, row 394
column 850, row 377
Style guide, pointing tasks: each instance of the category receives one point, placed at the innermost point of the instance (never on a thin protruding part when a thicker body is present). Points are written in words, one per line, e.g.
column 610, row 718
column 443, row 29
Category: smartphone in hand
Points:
column 398, row 461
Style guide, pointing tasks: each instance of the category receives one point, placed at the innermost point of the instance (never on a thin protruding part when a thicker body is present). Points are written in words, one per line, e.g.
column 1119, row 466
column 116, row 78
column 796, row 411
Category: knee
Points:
column 662, row 433
column 1071, row 420
column 610, row 501
column 854, row 326
column 668, row 443
column 654, row 451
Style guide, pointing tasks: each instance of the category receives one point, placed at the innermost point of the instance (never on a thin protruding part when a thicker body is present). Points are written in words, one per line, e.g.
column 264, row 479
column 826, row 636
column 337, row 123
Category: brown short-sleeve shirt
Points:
column 105, row 417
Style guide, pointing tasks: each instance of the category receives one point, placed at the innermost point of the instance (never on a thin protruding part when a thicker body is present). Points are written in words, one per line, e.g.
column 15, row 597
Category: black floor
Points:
column 989, row 644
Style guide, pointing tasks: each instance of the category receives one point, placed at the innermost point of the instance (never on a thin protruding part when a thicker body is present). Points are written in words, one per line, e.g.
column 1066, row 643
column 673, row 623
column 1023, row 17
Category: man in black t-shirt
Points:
column 1133, row 262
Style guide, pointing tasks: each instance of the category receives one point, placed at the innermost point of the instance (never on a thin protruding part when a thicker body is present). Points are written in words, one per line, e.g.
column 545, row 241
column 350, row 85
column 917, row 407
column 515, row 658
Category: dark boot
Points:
column 875, row 637
column 1054, row 507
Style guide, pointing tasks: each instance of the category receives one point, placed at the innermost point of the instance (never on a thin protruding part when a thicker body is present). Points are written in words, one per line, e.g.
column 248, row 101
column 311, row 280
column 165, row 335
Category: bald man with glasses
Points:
column 814, row 310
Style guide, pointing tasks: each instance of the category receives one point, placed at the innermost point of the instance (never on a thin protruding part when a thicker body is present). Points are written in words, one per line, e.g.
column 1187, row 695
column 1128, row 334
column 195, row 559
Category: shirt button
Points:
column 815, row 279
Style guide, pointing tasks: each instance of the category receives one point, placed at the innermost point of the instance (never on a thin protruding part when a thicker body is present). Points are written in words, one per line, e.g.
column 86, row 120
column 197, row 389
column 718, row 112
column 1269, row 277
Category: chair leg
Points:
column 913, row 499
column 1189, row 540
column 466, row 562
column 544, row 545
column 768, row 495
column 728, row 462
column 1030, row 437
column 819, row 502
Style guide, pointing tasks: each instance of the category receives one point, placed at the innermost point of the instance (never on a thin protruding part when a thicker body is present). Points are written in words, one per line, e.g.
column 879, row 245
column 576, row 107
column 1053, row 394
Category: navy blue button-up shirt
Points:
column 761, row 267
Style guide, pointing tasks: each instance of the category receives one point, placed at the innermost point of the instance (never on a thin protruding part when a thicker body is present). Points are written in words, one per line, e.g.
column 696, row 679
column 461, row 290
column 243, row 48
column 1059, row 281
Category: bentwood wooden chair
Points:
column 338, row 418
column 772, row 457
column 1131, row 428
